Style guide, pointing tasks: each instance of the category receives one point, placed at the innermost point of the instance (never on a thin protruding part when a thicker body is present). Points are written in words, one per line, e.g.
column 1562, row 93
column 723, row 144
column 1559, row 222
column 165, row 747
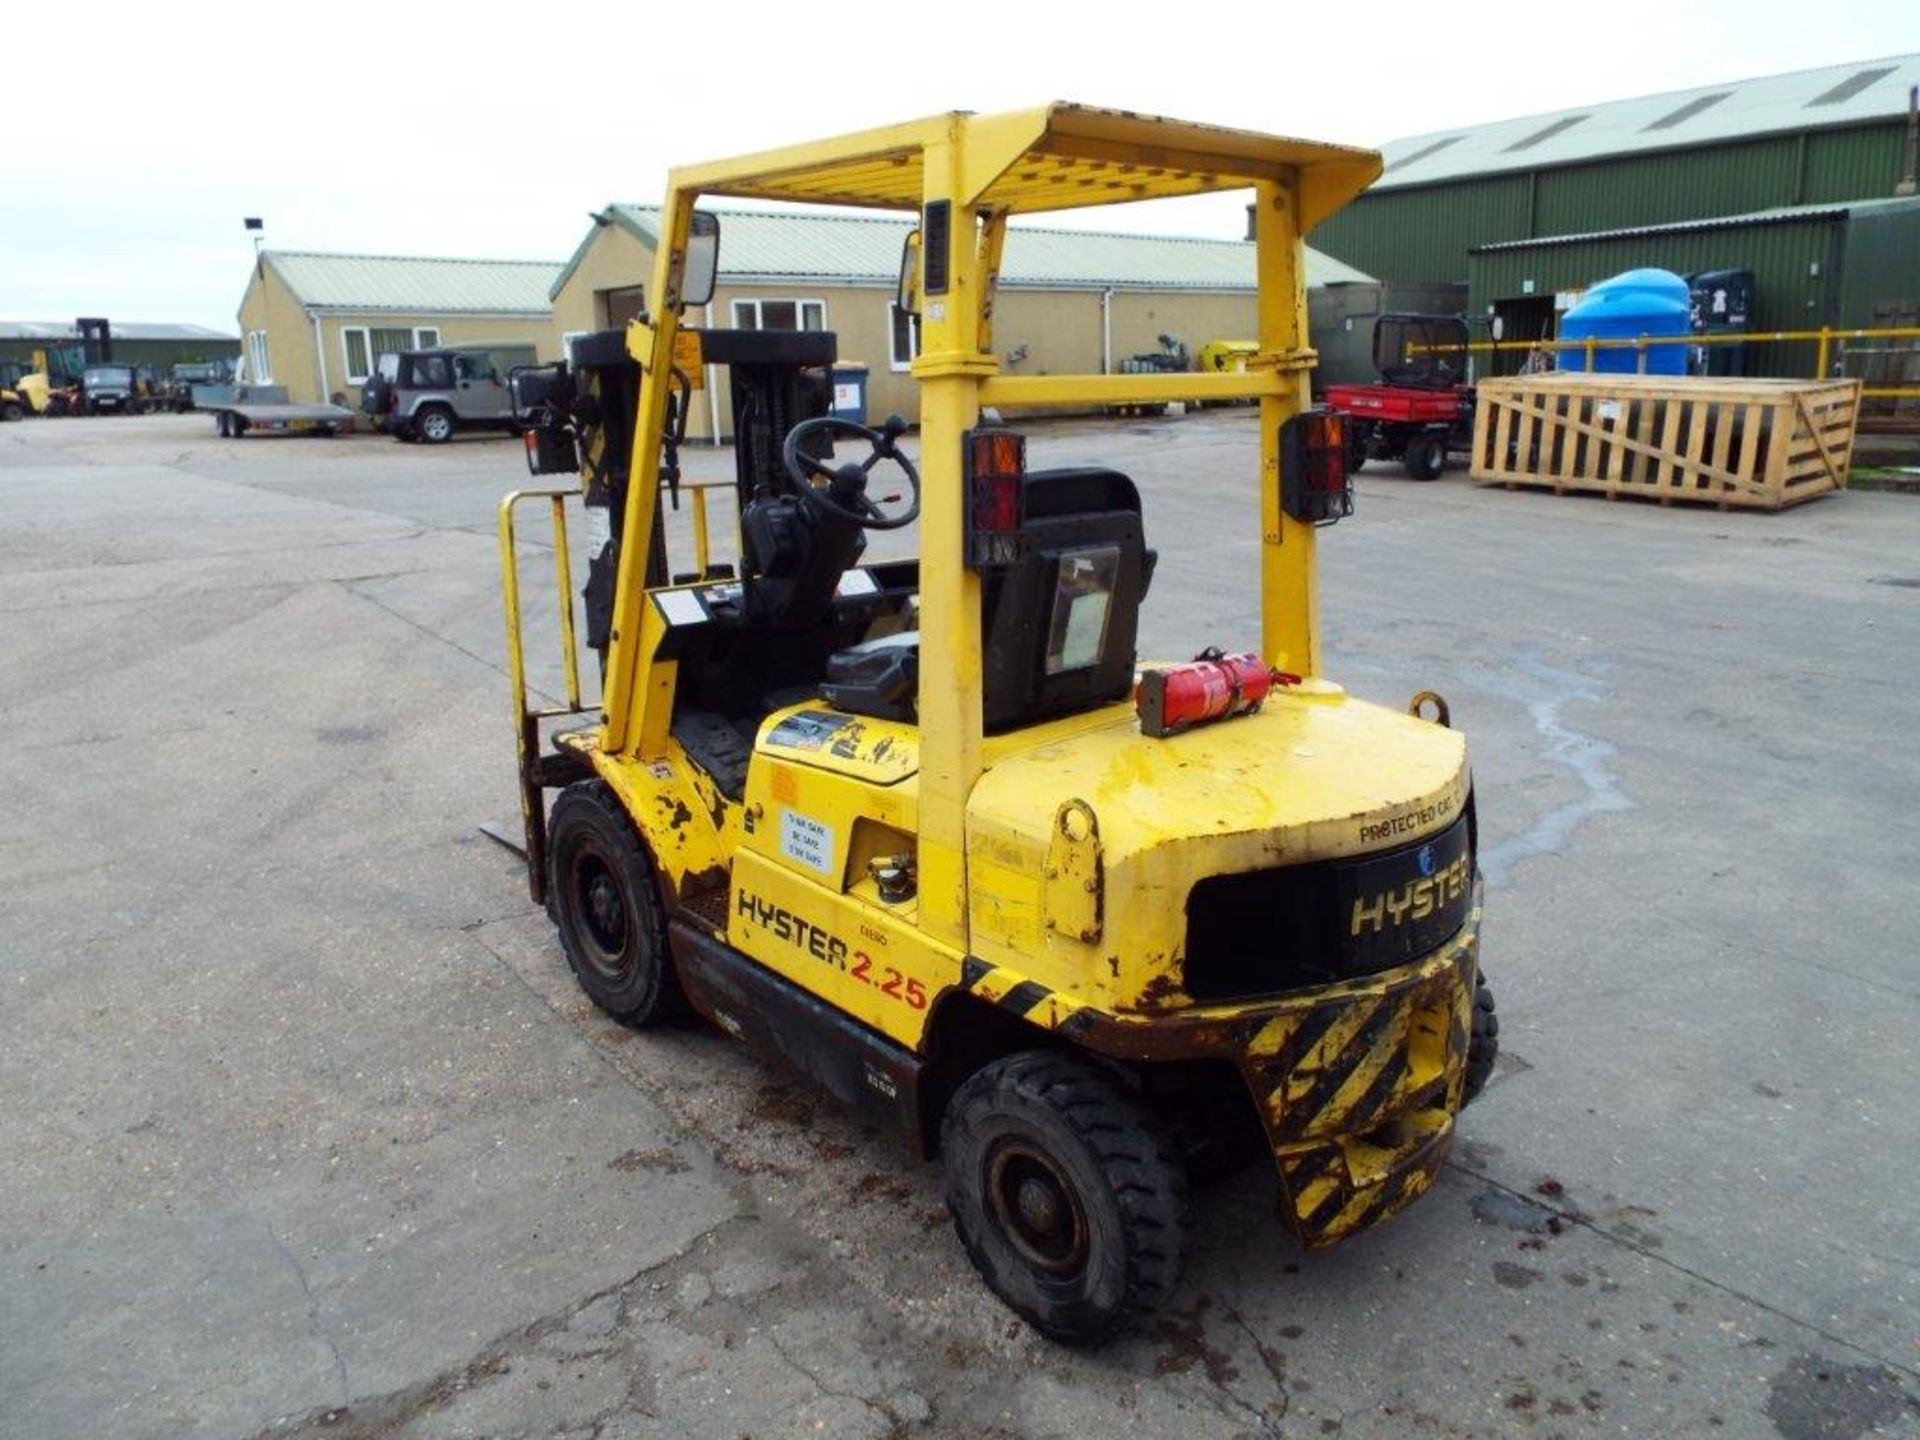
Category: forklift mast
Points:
column 96, row 340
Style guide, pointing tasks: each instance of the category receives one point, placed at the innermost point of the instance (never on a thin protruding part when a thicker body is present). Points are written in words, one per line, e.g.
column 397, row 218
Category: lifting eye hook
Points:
column 1441, row 716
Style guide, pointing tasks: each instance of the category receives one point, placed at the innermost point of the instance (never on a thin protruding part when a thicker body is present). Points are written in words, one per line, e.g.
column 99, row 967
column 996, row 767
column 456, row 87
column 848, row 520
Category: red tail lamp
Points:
column 996, row 462
column 1314, row 484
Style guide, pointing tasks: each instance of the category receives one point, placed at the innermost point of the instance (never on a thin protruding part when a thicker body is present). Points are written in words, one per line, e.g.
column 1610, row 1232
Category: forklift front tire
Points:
column 607, row 907
column 1070, row 1203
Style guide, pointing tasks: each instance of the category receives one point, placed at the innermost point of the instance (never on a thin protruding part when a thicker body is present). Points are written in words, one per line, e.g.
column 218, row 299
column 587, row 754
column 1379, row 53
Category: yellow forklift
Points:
column 925, row 828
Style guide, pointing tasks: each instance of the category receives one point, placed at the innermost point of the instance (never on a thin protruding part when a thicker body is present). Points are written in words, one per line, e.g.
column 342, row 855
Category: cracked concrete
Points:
column 311, row 1134
column 313, row 1316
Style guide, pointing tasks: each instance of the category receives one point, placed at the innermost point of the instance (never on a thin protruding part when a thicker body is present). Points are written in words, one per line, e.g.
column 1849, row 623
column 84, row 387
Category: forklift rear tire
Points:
column 1483, row 1044
column 607, row 907
column 1069, row 1201
column 1426, row 458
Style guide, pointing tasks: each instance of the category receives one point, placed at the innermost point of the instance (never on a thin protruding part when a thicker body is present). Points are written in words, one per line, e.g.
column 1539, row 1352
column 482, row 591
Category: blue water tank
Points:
column 1624, row 307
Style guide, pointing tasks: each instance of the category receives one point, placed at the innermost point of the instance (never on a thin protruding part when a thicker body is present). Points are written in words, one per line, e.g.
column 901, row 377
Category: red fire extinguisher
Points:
column 1213, row 687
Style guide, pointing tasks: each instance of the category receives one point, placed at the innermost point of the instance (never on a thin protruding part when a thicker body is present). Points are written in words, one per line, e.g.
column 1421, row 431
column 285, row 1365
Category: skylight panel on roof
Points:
column 1546, row 132
column 1850, row 87
column 1424, row 151
column 1687, row 111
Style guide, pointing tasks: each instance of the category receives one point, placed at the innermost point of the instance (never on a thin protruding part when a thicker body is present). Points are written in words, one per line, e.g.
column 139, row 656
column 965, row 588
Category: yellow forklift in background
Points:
column 25, row 387
column 924, row 828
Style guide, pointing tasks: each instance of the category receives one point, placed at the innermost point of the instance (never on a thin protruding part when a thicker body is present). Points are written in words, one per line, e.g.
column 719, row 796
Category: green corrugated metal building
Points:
column 1809, row 138
column 1769, row 175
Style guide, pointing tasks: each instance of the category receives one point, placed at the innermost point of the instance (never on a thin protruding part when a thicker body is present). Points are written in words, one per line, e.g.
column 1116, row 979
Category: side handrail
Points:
column 527, row 718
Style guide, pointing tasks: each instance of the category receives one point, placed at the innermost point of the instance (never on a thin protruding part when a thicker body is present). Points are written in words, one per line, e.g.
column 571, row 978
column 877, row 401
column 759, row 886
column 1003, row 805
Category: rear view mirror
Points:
column 907, row 296
column 702, row 265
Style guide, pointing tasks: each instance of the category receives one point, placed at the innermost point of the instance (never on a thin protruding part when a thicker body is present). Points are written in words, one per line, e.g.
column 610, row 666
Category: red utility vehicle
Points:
column 1422, row 403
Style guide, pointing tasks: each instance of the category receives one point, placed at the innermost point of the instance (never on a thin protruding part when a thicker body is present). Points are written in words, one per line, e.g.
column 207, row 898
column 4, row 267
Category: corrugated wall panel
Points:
column 1882, row 268
column 1424, row 234
column 1858, row 164
column 1788, row 295
column 1670, row 185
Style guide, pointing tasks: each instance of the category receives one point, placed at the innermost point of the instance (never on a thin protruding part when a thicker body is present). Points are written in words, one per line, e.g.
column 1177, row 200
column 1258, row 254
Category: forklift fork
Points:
column 540, row 772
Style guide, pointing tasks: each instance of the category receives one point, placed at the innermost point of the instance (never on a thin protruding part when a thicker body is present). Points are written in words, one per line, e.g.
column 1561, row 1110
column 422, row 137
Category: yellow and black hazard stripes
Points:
column 1329, row 1205
column 1360, row 1036
column 1460, row 1031
column 1354, row 1065
column 1028, row 999
column 1359, row 1091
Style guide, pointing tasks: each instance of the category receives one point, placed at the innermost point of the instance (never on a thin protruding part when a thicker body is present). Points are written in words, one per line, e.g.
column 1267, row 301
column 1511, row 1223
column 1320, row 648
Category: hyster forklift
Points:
column 924, row 828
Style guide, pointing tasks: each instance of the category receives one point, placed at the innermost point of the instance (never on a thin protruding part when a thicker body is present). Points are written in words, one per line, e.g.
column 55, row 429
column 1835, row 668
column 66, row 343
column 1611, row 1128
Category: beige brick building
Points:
column 1071, row 301
column 317, row 323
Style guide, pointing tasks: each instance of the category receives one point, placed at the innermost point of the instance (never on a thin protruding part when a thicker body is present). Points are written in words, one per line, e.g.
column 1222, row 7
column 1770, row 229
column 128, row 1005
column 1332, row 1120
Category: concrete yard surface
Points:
column 308, row 1131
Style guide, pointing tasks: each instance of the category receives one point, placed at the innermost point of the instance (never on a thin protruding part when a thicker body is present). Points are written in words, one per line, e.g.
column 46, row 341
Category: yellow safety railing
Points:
column 1590, row 345
column 526, row 718
column 538, row 770
column 510, row 600
column 702, row 533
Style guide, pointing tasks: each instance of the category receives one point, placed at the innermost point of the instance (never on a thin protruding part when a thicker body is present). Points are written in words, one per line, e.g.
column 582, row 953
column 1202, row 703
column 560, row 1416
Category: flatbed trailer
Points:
column 239, row 418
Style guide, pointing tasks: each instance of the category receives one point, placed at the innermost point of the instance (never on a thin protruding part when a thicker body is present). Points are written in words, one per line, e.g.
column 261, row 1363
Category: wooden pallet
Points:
column 1752, row 444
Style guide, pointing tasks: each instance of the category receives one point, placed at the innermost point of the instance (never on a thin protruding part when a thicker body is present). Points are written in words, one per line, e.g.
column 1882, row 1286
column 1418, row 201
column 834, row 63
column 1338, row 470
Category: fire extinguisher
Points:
column 1213, row 686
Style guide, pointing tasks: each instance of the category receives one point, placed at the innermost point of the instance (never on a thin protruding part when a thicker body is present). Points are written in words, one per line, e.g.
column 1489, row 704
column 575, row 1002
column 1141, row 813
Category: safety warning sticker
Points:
column 805, row 839
column 807, row 730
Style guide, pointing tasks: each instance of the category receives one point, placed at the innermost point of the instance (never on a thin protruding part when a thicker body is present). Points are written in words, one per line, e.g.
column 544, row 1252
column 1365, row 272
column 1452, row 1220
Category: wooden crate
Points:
column 1755, row 444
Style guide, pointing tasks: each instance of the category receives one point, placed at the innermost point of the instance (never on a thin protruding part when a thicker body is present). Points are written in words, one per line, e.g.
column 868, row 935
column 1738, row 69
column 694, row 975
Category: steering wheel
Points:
column 840, row 491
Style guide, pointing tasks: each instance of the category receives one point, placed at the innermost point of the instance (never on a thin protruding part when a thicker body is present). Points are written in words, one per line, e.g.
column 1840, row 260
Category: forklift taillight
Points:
column 996, row 465
column 1314, row 484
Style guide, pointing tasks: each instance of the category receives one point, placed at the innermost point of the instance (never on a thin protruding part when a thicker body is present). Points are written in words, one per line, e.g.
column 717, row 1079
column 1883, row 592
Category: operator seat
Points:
column 1058, row 626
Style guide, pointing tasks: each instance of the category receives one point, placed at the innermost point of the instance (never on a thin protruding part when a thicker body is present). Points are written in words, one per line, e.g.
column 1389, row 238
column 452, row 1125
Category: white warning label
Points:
column 805, row 839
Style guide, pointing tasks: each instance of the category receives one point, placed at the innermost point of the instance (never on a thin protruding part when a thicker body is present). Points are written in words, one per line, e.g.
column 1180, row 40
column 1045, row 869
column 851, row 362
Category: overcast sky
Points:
column 142, row 135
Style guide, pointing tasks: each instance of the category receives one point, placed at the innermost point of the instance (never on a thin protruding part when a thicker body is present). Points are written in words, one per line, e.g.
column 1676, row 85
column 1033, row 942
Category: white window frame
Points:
column 894, row 362
column 259, row 359
column 425, row 337
column 799, row 309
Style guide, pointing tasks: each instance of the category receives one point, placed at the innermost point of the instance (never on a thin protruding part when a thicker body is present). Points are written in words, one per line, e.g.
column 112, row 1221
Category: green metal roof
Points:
column 1779, row 215
column 1851, row 94
column 416, row 285
column 799, row 246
